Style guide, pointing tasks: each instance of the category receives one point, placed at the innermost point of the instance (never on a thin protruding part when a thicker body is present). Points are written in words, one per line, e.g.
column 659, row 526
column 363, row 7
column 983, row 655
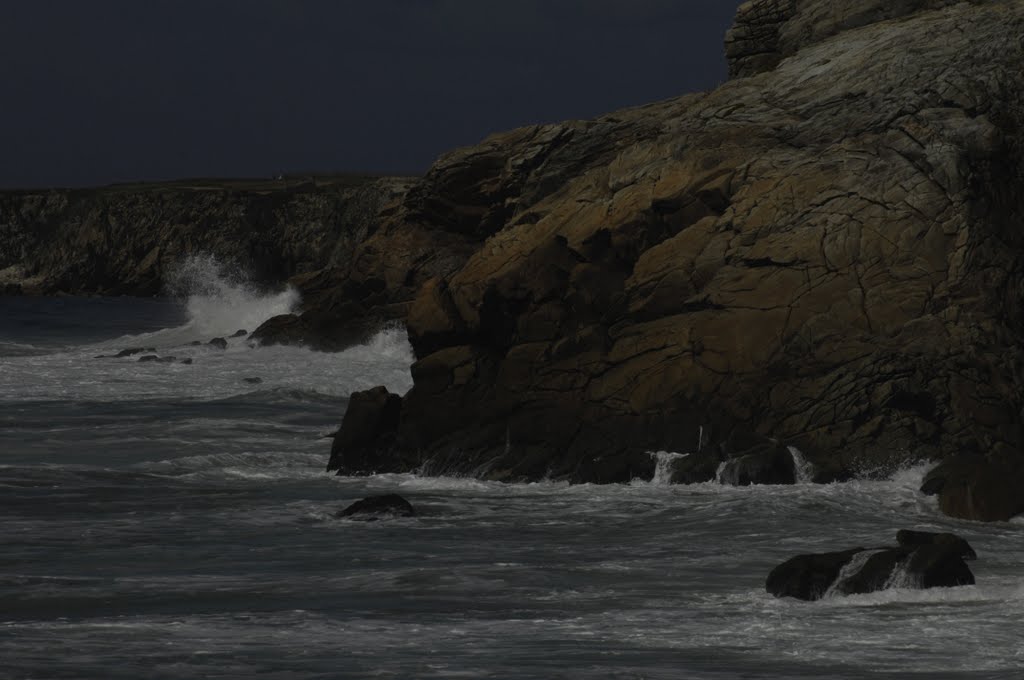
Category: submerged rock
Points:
column 935, row 564
column 379, row 507
column 153, row 358
column 219, row 343
column 187, row 361
column 253, row 381
column 132, row 351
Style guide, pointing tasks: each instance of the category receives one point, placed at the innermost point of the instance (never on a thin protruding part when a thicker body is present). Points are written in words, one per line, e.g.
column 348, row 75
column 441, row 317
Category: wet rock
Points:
column 768, row 464
column 195, row 343
column 253, row 381
column 241, row 333
column 133, row 351
column 808, row 577
column 153, row 358
column 936, row 564
column 187, row 362
column 370, row 423
column 219, row 343
column 379, row 507
column 694, row 468
column 321, row 332
column 908, row 538
column 988, row 489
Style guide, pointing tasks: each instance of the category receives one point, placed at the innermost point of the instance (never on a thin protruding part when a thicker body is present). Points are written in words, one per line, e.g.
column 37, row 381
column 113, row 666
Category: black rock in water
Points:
column 152, row 358
column 219, row 342
column 240, row 333
column 912, row 539
column 923, row 560
column 379, row 507
column 808, row 577
column 187, row 361
column 195, row 343
column 370, row 423
column 132, row 351
column 253, row 381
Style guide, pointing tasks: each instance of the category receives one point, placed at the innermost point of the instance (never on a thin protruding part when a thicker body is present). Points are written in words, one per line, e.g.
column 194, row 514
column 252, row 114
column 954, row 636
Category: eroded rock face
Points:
column 370, row 423
column 123, row 240
column 827, row 254
column 768, row 31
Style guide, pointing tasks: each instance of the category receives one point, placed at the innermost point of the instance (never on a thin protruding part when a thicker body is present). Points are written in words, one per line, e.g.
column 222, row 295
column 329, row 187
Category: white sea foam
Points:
column 804, row 469
column 218, row 300
column 663, row 466
column 849, row 570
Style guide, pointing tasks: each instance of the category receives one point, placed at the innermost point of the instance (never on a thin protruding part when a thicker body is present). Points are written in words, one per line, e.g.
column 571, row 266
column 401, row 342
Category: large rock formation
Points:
column 826, row 251
column 125, row 239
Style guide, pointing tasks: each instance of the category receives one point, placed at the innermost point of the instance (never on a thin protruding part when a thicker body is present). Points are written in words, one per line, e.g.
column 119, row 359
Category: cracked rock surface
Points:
column 826, row 252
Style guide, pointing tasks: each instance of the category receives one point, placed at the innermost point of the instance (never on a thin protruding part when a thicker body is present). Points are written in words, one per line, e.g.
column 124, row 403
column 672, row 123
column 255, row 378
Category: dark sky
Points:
column 100, row 91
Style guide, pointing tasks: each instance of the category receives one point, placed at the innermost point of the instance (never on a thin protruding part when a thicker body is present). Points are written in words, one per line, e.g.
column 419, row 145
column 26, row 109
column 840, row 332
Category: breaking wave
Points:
column 220, row 299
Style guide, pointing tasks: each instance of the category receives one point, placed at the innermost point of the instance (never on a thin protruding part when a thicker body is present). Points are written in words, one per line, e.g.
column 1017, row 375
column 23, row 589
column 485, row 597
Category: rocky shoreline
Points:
column 821, row 255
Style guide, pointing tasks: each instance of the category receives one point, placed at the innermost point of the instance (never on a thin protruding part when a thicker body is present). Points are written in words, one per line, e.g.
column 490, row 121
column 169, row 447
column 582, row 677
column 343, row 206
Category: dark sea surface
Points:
column 164, row 520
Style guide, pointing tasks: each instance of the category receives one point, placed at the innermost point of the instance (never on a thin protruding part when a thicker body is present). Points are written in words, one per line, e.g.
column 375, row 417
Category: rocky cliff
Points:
column 826, row 251
column 124, row 239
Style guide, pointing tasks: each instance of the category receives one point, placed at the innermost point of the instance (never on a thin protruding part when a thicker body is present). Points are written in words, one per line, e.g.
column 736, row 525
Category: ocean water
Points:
column 170, row 520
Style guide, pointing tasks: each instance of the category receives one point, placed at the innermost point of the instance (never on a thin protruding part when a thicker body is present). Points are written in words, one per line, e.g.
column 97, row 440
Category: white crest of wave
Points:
column 220, row 300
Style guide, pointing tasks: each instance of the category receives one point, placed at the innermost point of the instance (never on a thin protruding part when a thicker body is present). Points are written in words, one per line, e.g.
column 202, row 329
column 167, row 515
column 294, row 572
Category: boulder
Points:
column 321, row 332
column 219, row 343
column 988, row 489
column 808, row 577
column 925, row 561
column 241, row 333
column 908, row 538
column 378, row 507
column 370, row 423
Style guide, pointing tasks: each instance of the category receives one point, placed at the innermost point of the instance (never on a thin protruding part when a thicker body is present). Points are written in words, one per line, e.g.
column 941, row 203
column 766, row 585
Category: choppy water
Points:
column 174, row 521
